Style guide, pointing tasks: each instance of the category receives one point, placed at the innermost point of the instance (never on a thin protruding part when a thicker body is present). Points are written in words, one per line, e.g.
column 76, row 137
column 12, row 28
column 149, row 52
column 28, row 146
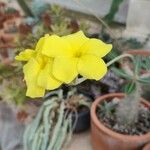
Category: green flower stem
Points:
column 78, row 81
column 118, row 58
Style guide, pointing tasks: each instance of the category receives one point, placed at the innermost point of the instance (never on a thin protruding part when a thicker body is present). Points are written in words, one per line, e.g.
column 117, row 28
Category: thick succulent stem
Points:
column 118, row 58
column 47, row 126
column 57, row 127
column 62, row 135
column 128, row 108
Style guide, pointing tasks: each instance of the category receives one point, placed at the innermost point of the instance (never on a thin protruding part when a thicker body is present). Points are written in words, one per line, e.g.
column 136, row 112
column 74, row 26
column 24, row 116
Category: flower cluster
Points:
column 57, row 60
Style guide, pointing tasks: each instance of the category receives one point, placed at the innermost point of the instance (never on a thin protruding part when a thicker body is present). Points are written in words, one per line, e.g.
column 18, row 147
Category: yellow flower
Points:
column 76, row 54
column 38, row 71
column 58, row 60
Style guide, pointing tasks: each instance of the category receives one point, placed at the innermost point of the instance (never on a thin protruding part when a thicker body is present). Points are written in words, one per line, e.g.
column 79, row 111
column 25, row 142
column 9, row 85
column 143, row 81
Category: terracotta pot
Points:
column 139, row 52
column 104, row 138
column 147, row 147
column 145, row 53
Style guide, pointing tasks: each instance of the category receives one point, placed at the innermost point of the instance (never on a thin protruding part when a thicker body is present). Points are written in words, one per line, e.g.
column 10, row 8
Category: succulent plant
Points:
column 136, row 72
column 136, row 75
column 52, row 127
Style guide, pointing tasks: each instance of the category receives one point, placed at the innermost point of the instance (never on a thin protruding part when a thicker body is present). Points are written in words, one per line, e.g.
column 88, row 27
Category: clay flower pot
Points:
column 104, row 138
column 145, row 53
column 147, row 147
column 139, row 52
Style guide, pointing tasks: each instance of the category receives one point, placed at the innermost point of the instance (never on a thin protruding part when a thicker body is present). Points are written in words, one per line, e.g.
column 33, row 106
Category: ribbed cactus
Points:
column 50, row 127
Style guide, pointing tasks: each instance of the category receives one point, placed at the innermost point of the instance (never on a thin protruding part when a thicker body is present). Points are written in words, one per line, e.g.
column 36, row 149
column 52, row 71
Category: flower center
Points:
column 78, row 54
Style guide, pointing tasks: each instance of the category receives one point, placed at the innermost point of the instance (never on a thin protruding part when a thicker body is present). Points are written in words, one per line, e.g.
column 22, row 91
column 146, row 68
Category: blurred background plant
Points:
column 52, row 20
column 12, row 89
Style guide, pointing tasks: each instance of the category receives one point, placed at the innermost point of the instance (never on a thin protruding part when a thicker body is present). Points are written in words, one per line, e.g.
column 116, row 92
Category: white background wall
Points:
column 138, row 20
column 97, row 7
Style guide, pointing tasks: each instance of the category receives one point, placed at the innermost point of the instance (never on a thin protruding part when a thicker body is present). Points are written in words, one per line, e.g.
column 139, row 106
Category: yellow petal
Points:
column 34, row 91
column 96, row 47
column 65, row 69
column 31, row 71
column 25, row 55
column 91, row 67
column 46, row 79
column 39, row 44
column 56, row 46
column 76, row 40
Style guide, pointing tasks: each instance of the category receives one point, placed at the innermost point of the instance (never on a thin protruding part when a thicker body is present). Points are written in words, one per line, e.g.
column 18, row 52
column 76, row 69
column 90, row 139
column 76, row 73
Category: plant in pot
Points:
column 121, row 121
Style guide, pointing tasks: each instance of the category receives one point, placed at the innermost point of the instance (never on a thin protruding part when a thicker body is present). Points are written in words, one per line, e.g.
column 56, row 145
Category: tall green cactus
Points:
column 25, row 8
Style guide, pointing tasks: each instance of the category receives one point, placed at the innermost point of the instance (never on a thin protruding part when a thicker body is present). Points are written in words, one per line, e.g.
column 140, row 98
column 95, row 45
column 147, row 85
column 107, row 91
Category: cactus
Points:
column 52, row 127
column 25, row 8
column 128, row 108
column 49, row 129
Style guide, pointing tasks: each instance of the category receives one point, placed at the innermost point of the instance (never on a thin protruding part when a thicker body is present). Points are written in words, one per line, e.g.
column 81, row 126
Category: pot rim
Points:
column 146, row 147
column 110, row 132
column 139, row 52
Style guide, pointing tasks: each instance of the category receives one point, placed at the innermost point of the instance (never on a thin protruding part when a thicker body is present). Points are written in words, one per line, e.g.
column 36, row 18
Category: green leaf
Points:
column 113, row 10
column 121, row 73
column 130, row 87
column 144, row 80
column 146, row 63
column 137, row 64
column 25, row 7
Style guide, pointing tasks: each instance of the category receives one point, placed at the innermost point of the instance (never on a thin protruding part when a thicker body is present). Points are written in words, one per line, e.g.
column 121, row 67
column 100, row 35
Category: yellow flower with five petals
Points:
column 76, row 54
column 58, row 60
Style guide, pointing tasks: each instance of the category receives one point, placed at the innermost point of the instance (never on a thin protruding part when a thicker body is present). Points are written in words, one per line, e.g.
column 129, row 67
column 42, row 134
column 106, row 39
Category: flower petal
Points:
column 91, row 67
column 96, row 47
column 34, row 91
column 39, row 44
column 25, row 55
column 65, row 68
column 46, row 79
column 76, row 40
column 31, row 71
column 56, row 46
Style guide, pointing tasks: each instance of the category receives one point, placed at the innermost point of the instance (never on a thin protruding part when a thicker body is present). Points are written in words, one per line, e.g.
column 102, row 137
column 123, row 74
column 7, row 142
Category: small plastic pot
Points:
column 82, row 120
